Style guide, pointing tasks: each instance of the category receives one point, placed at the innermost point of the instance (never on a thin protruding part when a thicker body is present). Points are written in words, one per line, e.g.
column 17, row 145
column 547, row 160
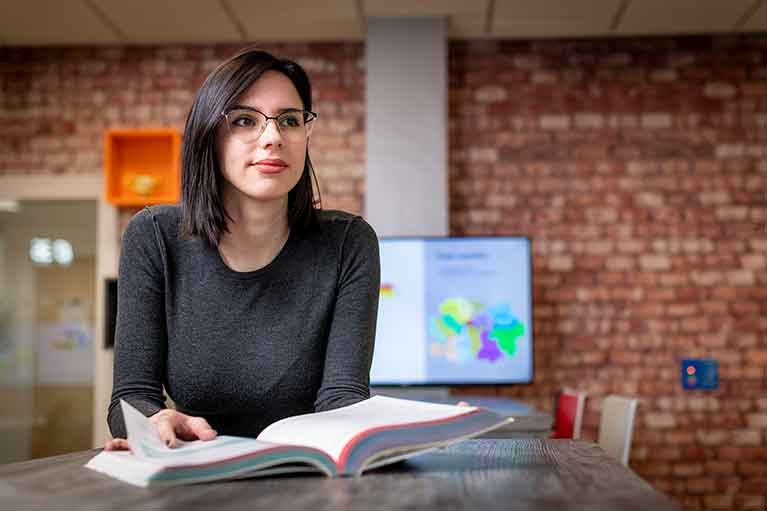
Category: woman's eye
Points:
column 244, row 121
column 290, row 121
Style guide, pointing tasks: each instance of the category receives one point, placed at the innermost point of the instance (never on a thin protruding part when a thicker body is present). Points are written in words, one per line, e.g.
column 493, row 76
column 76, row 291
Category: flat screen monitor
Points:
column 454, row 311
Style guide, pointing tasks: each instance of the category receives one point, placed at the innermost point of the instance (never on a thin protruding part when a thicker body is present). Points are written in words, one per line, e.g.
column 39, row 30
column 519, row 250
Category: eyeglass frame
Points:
column 225, row 115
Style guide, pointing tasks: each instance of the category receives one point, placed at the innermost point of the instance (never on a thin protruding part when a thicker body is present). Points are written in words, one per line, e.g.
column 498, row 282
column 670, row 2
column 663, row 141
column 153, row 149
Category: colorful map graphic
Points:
column 467, row 330
column 68, row 338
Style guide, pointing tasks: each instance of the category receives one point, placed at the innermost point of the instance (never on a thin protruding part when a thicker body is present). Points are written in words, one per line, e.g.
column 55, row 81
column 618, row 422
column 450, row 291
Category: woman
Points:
column 246, row 302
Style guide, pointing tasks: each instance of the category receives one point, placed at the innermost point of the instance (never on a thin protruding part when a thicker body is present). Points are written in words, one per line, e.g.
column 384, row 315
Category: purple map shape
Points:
column 489, row 348
column 482, row 321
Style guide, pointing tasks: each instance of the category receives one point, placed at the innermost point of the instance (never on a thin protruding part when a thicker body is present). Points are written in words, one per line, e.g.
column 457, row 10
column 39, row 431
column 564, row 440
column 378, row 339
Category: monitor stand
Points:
column 431, row 394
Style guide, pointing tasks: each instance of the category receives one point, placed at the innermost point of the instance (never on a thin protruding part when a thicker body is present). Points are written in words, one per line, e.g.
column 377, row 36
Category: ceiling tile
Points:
column 465, row 19
column 73, row 22
column 758, row 21
column 681, row 16
column 298, row 20
column 170, row 21
column 552, row 18
column 52, row 22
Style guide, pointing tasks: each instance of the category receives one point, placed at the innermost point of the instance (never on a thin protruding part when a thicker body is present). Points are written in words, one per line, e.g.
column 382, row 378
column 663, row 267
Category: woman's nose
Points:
column 271, row 135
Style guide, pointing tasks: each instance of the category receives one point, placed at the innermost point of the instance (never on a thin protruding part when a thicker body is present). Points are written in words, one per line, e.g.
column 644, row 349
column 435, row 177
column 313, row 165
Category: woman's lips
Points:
column 270, row 166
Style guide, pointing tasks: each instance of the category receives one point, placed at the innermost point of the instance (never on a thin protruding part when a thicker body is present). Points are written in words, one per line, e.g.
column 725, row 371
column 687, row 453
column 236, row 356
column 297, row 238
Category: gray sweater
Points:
column 244, row 349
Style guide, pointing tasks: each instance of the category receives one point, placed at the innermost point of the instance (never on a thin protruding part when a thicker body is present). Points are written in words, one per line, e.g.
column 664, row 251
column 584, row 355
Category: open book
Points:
column 344, row 441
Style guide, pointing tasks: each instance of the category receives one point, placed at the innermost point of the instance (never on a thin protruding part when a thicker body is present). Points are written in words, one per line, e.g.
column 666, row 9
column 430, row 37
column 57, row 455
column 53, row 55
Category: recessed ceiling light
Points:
column 10, row 206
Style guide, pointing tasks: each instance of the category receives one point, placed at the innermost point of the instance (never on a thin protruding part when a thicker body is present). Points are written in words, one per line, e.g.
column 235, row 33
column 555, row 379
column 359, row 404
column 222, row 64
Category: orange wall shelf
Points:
column 142, row 166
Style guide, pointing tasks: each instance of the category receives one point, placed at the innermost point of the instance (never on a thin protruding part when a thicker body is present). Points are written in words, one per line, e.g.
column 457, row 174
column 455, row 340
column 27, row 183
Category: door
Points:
column 47, row 312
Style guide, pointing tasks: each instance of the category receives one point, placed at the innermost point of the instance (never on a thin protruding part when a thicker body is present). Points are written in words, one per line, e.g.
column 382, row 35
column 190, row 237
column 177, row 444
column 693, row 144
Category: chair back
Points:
column 569, row 414
column 616, row 427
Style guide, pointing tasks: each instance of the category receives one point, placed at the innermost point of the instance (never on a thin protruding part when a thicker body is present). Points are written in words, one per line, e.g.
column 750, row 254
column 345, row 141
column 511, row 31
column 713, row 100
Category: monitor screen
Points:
column 454, row 311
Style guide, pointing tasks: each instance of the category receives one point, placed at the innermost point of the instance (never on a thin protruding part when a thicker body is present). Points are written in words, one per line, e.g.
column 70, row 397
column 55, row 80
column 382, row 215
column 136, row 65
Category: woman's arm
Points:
column 349, row 352
column 140, row 337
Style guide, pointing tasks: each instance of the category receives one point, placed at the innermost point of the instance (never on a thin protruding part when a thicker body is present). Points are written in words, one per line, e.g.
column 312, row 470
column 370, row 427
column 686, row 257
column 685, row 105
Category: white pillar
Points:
column 406, row 126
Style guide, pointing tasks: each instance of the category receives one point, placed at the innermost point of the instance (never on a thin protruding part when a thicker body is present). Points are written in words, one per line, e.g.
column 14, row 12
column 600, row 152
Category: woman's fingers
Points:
column 166, row 429
column 197, row 427
column 172, row 424
column 169, row 424
column 463, row 403
column 192, row 428
column 117, row 444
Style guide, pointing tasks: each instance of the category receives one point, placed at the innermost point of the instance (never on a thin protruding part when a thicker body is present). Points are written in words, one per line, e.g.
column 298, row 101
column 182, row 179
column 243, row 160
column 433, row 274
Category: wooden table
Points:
column 526, row 474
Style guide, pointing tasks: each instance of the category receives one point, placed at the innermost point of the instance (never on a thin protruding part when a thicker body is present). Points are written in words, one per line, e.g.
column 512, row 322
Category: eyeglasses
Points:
column 248, row 124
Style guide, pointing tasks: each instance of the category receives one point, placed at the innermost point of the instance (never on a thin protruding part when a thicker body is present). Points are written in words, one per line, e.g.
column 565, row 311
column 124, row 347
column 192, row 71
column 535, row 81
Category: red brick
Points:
column 654, row 469
column 719, row 90
column 756, row 357
column 747, row 437
column 713, row 308
column 753, row 89
column 718, row 502
column 688, row 469
column 660, row 420
column 752, row 469
column 560, row 263
column 701, row 485
column 697, row 324
column 654, row 262
column 751, row 502
column 656, row 120
column 679, row 310
column 720, row 467
column 554, row 122
column 714, row 437
column 680, row 437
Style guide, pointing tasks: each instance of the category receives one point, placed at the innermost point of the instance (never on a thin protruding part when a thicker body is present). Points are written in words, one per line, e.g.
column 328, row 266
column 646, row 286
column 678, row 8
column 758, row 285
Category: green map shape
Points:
column 506, row 337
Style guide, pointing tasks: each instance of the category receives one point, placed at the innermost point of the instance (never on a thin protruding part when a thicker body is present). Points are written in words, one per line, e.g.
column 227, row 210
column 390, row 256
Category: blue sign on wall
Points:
column 700, row 374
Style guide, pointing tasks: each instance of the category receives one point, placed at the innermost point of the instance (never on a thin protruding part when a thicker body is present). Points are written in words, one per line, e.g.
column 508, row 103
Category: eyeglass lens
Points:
column 248, row 125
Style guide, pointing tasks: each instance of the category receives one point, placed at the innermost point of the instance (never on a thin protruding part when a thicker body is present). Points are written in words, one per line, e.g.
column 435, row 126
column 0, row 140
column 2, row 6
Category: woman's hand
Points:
column 171, row 424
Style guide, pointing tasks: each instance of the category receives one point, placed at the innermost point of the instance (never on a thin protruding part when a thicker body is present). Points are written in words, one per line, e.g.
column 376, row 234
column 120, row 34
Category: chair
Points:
column 616, row 427
column 569, row 414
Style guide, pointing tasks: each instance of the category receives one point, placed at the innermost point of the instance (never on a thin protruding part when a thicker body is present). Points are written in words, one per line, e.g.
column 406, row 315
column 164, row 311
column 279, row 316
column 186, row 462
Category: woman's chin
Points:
column 265, row 194
column 263, row 188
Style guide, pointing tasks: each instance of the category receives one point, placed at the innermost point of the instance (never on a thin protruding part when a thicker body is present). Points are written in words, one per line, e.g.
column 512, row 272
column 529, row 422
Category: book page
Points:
column 146, row 444
column 332, row 430
column 142, row 434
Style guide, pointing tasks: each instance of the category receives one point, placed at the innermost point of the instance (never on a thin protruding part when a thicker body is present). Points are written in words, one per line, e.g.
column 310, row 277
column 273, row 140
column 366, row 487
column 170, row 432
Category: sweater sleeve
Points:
column 140, row 337
column 349, row 351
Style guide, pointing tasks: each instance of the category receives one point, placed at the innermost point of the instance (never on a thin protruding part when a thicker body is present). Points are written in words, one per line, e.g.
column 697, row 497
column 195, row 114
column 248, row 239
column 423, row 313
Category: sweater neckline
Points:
column 222, row 268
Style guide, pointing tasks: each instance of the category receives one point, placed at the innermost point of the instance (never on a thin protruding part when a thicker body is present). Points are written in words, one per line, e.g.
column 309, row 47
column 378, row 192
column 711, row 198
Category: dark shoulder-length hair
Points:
column 203, row 215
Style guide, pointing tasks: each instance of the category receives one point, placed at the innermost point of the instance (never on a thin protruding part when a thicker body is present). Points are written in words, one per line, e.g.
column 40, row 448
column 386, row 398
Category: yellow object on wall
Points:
column 142, row 166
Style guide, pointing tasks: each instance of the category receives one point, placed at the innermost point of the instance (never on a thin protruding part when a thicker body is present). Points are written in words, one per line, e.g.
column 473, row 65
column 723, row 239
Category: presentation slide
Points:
column 478, row 311
column 399, row 356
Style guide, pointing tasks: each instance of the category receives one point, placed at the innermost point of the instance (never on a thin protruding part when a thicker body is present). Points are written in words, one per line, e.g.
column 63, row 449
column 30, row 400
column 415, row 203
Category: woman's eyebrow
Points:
column 280, row 110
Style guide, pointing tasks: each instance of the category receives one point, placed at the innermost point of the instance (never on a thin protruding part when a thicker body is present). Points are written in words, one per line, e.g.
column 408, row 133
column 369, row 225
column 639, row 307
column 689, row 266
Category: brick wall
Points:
column 56, row 103
column 638, row 167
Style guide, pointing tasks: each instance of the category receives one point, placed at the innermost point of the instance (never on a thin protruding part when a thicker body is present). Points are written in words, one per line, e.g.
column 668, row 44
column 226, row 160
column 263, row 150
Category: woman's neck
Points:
column 257, row 232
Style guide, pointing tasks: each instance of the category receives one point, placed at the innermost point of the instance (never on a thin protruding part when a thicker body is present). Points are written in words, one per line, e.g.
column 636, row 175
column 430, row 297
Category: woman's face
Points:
column 268, row 167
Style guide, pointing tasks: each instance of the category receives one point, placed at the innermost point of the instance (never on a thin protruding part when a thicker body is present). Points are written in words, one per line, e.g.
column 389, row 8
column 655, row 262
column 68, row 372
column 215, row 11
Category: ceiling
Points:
column 97, row 22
